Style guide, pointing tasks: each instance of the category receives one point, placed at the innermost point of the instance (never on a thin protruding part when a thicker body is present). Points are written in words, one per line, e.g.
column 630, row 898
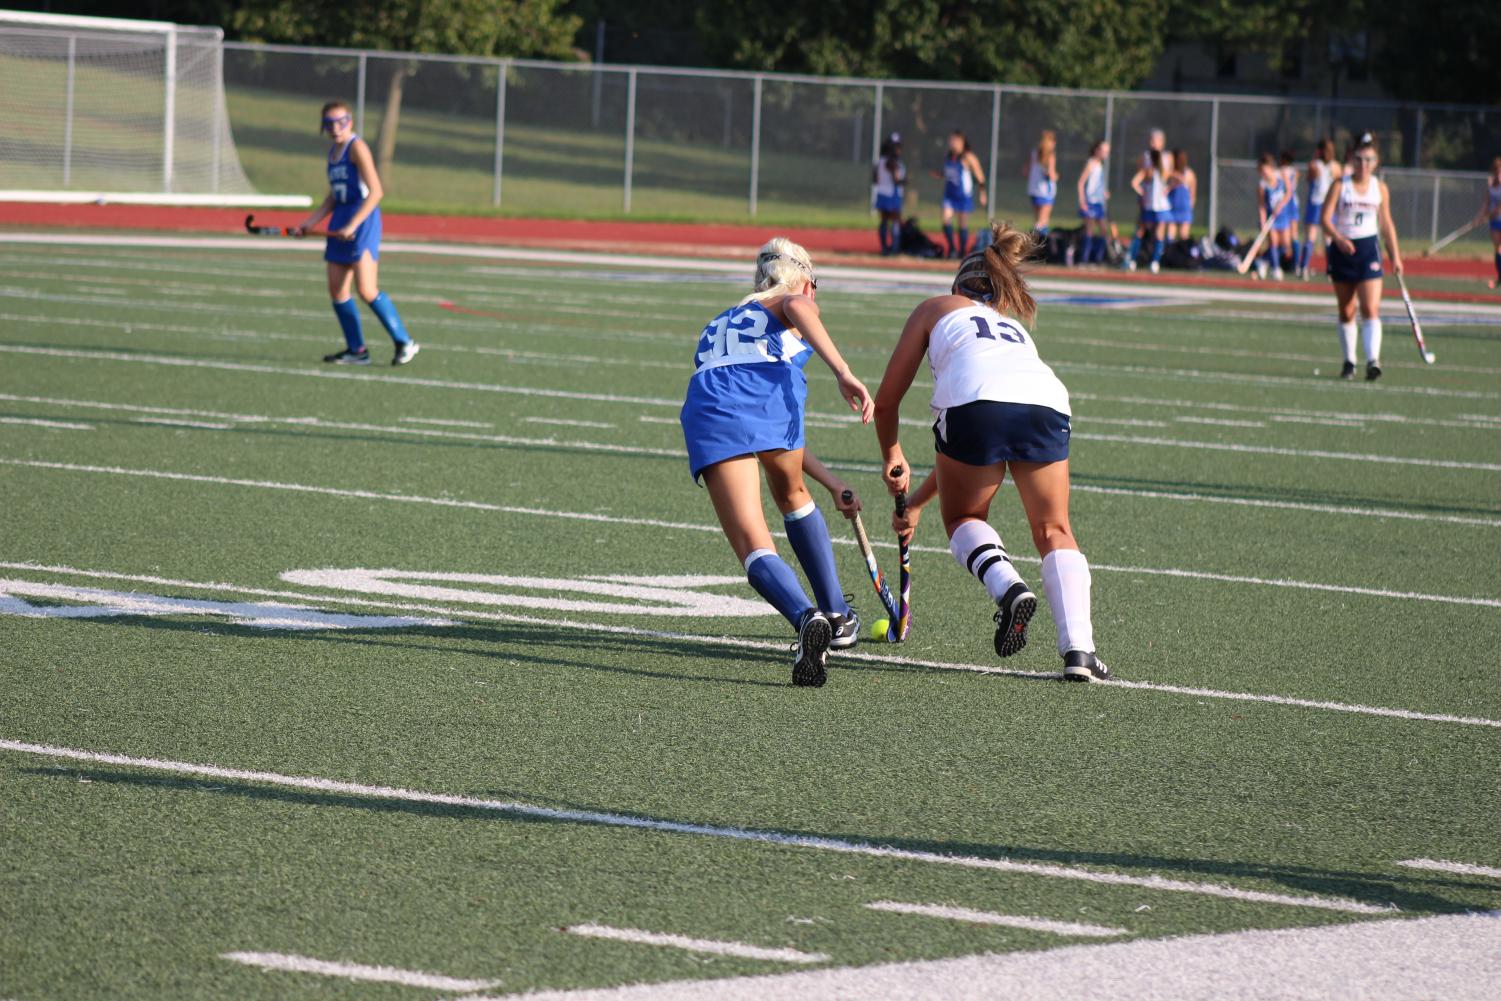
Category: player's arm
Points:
column 1326, row 219
column 1138, row 182
column 1192, row 179
column 1053, row 168
column 1083, row 205
column 1485, row 209
column 364, row 162
column 904, row 526
column 319, row 214
column 900, row 371
column 973, row 163
column 803, row 312
column 1389, row 228
column 822, row 475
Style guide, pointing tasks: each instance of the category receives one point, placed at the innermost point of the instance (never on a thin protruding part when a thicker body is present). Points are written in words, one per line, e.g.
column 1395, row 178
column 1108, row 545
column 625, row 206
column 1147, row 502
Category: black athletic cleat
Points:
column 1372, row 371
column 1013, row 611
column 348, row 357
column 1347, row 371
column 405, row 353
column 1079, row 665
column 846, row 629
column 814, row 632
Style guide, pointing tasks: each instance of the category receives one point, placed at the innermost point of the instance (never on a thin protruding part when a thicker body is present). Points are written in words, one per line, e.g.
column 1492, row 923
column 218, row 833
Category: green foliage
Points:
column 1440, row 52
column 469, row 27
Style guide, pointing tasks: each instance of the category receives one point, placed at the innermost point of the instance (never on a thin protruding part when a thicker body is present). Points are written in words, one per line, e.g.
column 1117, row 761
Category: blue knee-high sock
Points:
column 1305, row 251
column 809, row 535
column 1134, row 249
column 963, row 240
column 349, row 321
column 1043, row 230
column 896, row 235
column 385, row 311
column 1157, row 246
column 884, row 232
column 1100, row 247
column 1297, row 251
column 948, row 236
column 1498, row 267
column 774, row 580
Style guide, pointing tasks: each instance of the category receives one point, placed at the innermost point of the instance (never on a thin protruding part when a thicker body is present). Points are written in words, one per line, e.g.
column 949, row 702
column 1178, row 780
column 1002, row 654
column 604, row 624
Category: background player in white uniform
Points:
column 997, row 407
column 1490, row 208
column 890, row 179
column 1357, row 214
column 1041, row 171
column 1323, row 171
column 1092, row 200
column 744, row 413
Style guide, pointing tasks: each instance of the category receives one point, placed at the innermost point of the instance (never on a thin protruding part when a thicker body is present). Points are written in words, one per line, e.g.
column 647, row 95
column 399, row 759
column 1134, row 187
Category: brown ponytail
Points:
column 1008, row 248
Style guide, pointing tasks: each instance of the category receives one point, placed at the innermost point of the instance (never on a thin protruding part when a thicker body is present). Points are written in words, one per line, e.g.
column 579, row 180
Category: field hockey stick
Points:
column 1444, row 241
column 1417, row 328
column 254, row 230
column 1250, row 258
column 902, row 623
column 877, row 579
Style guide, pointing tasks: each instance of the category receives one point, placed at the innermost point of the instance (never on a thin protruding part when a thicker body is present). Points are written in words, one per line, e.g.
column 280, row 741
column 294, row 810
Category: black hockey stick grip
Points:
column 901, row 498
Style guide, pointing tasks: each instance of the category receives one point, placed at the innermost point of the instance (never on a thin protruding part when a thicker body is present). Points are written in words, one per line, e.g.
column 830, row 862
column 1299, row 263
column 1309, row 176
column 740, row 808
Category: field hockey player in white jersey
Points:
column 997, row 406
column 1357, row 214
column 744, row 414
column 1041, row 172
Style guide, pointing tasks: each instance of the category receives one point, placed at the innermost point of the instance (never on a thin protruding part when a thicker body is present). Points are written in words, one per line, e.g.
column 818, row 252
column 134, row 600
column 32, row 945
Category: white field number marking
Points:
column 711, row 946
column 357, row 971
column 990, row 918
column 665, row 596
column 93, row 603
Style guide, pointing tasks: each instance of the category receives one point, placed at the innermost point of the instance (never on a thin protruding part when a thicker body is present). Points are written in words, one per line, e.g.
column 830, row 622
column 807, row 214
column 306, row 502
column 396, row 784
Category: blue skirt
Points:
column 889, row 203
column 985, row 432
column 737, row 410
column 1361, row 266
column 1094, row 210
column 1313, row 214
column 367, row 237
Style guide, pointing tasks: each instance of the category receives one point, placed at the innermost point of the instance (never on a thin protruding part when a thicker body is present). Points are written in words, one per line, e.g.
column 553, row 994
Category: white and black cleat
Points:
column 348, row 357
column 1013, row 611
column 1372, row 371
column 814, row 633
column 846, row 629
column 1080, row 665
column 1347, row 371
column 405, row 352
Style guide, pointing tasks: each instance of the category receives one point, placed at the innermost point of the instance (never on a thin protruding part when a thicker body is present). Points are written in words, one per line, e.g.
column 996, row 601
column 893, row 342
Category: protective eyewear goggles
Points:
column 330, row 123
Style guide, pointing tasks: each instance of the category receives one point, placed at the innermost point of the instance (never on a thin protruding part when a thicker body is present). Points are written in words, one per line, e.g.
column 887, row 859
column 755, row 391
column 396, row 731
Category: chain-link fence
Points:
column 584, row 139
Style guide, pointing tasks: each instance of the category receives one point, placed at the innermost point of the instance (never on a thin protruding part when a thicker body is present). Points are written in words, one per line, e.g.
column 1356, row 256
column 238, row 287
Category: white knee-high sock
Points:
column 1347, row 340
column 1370, row 336
column 977, row 548
column 1065, row 578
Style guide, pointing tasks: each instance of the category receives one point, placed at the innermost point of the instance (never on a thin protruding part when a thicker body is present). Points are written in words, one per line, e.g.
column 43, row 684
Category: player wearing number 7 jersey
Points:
column 744, row 414
column 996, row 406
column 353, row 248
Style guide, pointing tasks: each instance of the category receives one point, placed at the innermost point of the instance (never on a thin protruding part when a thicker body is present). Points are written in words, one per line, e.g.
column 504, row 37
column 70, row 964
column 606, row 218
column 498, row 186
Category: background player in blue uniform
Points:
column 1041, row 172
column 743, row 414
column 889, row 185
column 353, row 211
column 1490, row 208
column 963, row 180
column 1092, row 198
column 1183, row 193
column 1323, row 171
column 1276, row 202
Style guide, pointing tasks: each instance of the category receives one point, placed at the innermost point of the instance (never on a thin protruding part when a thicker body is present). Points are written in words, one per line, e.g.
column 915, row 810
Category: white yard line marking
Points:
column 778, row 838
column 439, row 422
column 1220, row 422
column 357, row 971
column 177, row 422
column 49, row 425
column 1241, row 408
column 711, row 946
column 712, row 529
column 570, row 424
column 1453, row 957
column 735, row 642
column 991, row 918
column 673, row 421
column 1301, row 453
column 1461, row 868
column 1337, row 422
column 132, row 408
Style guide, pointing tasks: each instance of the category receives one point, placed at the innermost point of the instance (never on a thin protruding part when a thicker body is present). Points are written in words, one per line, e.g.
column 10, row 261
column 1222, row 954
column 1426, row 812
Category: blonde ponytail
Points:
column 993, row 275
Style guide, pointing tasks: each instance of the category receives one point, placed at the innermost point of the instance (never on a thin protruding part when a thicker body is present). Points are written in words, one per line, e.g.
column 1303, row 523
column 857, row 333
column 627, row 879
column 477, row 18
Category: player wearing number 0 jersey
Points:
column 996, row 406
column 743, row 414
column 1356, row 216
column 353, row 245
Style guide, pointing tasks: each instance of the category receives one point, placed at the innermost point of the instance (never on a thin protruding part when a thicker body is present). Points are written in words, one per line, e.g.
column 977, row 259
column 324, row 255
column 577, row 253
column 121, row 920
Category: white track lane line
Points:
column 287, row 963
column 735, row 642
column 991, row 918
column 714, row 529
column 1460, row 868
column 706, row 945
column 93, row 354
column 49, row 425
column 777, row 838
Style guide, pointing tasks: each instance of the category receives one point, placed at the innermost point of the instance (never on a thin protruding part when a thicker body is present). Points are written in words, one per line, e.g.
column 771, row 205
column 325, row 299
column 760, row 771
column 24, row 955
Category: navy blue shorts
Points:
column 986, row 432
column 1361, row 266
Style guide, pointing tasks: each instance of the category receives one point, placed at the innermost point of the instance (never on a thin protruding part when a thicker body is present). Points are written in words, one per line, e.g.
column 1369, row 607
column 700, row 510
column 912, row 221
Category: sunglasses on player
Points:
column 330, row 123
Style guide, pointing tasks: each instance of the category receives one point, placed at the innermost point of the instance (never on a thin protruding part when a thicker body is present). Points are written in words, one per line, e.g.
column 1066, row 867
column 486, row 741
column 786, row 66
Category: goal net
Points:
column 116, row 109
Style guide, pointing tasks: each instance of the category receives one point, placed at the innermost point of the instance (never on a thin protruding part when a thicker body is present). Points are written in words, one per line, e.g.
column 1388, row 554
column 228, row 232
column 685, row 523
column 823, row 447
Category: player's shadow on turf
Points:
column 1410, row 892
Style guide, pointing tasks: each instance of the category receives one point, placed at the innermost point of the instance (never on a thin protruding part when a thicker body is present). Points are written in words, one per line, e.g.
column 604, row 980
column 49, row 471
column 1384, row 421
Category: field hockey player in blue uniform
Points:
column 1323, row 171
column 1356, row 215
column 889, row 176
column 963, row 181
column 1183, row 193
column 1041, row 172
column 997, row 407
column 353, row 248
column 1151, row 186
column 1490, row 208
column 1275, row 203
column 1092, row 199
column 744, row 414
